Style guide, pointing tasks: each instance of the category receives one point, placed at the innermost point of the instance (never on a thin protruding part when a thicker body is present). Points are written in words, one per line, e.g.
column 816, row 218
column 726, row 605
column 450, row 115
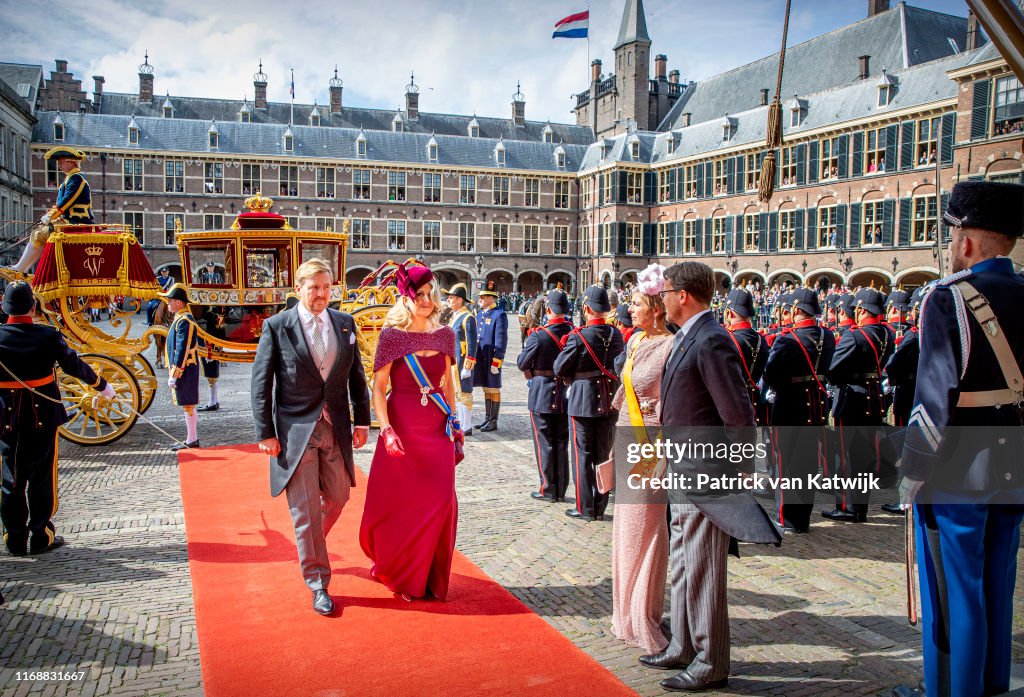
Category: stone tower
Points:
column 633, row 66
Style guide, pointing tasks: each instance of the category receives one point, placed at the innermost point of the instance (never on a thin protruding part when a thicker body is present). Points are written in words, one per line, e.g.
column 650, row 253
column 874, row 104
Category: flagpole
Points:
column 291, row 116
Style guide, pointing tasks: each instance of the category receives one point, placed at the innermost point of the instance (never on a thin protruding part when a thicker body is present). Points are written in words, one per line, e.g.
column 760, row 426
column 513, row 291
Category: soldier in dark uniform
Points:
column 901, row 373
column 182, row 356
column 623, row 322
column 962, row 462
column 752, row 347
column 547, row 402
column 795, row 373
column 28, row 426
column 859, row 406
column 166, row 280
column 897, row 309
column 845, row 314
column 214, row 318
column 463, row 323
column 586, row 361
column 209, row 275
column 492, row 323
column 829, row 320
column 74, row 204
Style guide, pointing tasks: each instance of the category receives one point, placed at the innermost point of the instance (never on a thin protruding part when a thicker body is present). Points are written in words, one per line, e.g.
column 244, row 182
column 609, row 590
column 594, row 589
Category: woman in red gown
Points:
column 411, row 513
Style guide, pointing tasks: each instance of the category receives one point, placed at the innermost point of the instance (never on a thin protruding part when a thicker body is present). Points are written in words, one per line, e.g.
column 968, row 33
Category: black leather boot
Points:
column 487, row 416
column 492, row 416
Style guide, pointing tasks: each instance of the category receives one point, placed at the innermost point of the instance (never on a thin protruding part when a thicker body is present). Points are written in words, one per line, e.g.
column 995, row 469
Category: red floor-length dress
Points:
column 411, row 513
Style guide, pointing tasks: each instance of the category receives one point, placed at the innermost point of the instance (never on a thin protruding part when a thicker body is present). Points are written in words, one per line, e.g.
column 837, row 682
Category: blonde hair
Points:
column 401, row 313
column 310, row 268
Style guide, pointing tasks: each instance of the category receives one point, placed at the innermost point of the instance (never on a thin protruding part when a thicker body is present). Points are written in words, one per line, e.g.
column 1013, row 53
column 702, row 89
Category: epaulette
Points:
column 954, row 277
column 960, row 309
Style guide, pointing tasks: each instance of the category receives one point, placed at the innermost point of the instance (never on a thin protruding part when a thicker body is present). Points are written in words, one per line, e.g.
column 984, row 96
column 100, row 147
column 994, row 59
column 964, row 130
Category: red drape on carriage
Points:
column 93, row 260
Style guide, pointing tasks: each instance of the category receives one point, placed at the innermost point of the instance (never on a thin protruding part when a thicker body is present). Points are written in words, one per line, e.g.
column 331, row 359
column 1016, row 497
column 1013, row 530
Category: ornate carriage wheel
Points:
column 111, row 420
column 145, row 375
column 369, row 320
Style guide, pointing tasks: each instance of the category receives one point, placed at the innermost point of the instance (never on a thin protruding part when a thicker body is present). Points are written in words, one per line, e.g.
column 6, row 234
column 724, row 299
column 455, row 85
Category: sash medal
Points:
column 427, row 392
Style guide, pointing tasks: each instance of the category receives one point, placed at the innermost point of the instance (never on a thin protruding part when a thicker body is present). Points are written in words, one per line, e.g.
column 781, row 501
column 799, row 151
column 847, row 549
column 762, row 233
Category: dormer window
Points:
column 432, row 150
column 245, row 113
column 314, row 119
column 634, row 149
column 168, row 108
column 797, row 112
column 499, row 153
column 474, row 128
column 246, row 117
column 549, row 135
column 604, row 149
column 289, row 141
column 670, row 144
column 361, row 145
column 58, row 128
column 214, row 139
column 885, row 90
column 560, row 157
column 728, row 128
column 133, row 135
column 397, row 124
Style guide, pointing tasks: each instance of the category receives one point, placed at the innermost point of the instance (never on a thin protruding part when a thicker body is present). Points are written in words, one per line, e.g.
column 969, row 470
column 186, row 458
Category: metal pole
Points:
column 1004, row 24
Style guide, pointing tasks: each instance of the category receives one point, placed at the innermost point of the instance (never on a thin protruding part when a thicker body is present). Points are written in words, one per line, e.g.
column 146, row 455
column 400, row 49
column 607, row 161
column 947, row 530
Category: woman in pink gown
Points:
column 639, row 529
column 411, row 513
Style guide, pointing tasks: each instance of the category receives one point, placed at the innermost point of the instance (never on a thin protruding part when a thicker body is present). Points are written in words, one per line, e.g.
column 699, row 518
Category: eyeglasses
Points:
column 663, row 293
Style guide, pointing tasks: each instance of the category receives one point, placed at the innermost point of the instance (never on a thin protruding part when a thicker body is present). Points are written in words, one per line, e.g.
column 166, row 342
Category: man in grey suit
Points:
column 704, row 398
column 306, row 375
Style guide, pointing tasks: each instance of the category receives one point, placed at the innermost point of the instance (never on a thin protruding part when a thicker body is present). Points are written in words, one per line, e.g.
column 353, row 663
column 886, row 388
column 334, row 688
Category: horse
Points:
column 162, row 317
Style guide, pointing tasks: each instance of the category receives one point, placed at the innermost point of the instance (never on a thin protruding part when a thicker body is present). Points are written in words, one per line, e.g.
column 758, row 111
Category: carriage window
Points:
column 267, row 266
column 327, row 251
column 211, row 266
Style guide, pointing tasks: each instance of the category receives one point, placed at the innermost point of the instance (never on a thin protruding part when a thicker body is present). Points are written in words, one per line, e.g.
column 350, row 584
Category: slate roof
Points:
column 15, row 74
column 191, row 137
column 912, row 87
column 896, row 39
column 223, row 110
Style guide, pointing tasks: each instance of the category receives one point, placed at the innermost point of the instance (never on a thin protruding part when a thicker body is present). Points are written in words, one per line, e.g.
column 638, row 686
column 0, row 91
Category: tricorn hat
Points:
column 176, row 292
column 63, row 152
column 459, row 290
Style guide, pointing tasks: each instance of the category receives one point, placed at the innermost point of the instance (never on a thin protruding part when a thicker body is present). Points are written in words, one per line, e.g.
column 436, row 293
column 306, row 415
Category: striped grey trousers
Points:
column 317, row 491
column 698, row 551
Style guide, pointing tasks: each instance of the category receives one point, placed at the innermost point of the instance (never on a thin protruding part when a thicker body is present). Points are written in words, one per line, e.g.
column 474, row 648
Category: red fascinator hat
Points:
column 408, row 277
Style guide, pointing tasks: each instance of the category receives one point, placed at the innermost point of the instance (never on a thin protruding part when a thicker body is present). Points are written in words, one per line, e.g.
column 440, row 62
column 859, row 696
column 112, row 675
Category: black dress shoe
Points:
column 182, row 446
column 17, row 551
column 209, row 407
column 841, row 516
column 685, row 682
column 58, row 541
column 799, row 530
column 537, row 496
column 894, row 508
column 560, row 499
column 662, row 661
column 905, row 691
column 322, row 602
column 576, row 515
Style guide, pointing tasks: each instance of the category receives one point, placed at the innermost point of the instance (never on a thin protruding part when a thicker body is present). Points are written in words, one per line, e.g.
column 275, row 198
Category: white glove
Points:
column 171, row 382
column 466, row 373
column 495, row 371
column 108, row 391
column 909, row 489
column 45, row 219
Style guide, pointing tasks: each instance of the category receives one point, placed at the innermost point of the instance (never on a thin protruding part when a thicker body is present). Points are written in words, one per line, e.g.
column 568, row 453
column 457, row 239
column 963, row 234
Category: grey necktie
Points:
column 319, row 346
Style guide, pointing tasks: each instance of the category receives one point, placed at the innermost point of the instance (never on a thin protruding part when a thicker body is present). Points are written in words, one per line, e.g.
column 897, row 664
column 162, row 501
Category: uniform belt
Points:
column 80, row 210
column 14, row 384
column 588, row 374
column 543, row 373
column 988, row 398
column 864, row 376
column 807, row 378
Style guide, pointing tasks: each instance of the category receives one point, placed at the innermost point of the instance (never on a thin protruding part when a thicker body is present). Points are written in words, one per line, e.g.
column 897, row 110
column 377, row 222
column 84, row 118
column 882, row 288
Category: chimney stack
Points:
column 877, row 7
column 146, row 81
column 865, row 66
column 412, row 99
column 518, row 108
column 972, row 31
column 673, row 77
column 97, row 90
column 660, row 66
column 259, row 82
column 336, row 86
column 764, row 96
column 686, row 118
column 595, row 70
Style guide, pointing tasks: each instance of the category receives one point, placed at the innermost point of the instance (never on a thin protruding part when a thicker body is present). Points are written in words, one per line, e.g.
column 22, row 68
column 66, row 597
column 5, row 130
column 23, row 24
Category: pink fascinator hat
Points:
column 651, row 280
column 411, row 279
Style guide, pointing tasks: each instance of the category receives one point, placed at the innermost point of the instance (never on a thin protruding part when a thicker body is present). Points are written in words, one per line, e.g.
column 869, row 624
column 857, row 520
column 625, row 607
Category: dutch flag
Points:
column 293, row 85
column 574, row 26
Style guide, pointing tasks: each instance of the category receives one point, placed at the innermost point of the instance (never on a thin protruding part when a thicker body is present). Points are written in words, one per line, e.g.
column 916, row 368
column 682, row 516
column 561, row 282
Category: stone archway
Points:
column 828, row 277
column 174, row 267
column 530, row 282
column 870, row 278
column 910, row 280
column 563, row 277
column 784, row 278
column 723, row 282
column 502, row 280
column 627, row 277
column 355, row 275
column 748, row 278
column 448, row 277
column 605, row 278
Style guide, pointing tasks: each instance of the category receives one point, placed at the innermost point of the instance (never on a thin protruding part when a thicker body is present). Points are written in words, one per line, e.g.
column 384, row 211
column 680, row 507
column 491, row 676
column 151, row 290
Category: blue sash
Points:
column 429, row 393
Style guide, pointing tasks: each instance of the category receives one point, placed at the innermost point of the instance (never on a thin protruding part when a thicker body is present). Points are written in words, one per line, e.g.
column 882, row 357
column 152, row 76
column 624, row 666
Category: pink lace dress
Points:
column 639, row 530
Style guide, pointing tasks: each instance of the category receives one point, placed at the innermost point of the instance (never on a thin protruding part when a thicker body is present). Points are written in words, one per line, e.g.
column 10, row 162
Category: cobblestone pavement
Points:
column 822, row 615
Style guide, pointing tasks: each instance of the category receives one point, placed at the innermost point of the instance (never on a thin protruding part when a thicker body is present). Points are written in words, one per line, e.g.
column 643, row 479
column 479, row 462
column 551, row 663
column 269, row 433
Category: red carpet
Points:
column 258, row 634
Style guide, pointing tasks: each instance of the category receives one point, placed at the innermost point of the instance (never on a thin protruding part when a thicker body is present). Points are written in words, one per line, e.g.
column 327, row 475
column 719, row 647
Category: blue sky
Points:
column 467, row 56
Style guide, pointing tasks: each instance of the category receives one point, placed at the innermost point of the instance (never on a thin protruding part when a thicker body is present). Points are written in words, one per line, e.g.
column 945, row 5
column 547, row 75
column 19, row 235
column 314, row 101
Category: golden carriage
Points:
column 236, row 279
